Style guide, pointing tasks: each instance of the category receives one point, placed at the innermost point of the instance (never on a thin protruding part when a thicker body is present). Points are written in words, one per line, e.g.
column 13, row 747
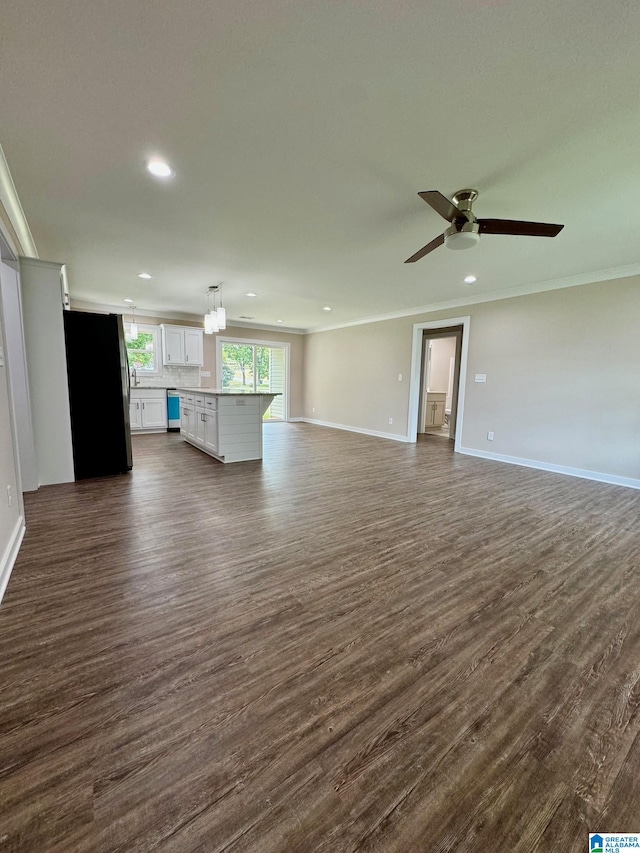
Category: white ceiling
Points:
column 301, row 132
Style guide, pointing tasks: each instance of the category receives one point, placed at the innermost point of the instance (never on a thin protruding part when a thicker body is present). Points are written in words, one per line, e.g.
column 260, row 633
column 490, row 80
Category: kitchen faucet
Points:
column 134, row 373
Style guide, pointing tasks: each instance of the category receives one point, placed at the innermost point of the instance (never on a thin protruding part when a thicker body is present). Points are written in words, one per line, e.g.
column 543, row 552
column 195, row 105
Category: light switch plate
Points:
column 480, row 377
column 205, row 373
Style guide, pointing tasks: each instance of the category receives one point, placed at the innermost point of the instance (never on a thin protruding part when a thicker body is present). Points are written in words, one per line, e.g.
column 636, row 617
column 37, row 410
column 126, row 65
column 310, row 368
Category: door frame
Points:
column 220, row 339
column 416, row 374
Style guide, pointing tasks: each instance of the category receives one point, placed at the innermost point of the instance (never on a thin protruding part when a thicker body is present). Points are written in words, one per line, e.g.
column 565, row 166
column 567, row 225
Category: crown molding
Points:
column 83, row 305
column 237, row 324
column 493, row 296
column 38, row 262
column 11, row 203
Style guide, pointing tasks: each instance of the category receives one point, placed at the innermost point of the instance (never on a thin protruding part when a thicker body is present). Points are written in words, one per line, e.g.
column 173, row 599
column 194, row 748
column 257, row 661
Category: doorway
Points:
column 255, row 366
column 441, row 352
column 430, row 405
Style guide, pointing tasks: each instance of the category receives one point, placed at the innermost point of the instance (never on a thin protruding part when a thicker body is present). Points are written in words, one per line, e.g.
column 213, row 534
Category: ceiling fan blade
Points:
column 441, row 204
column 426, row 249
column 514, row 226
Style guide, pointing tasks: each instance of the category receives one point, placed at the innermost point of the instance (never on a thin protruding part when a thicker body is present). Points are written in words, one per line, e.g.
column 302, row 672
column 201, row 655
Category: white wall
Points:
column 563, row 377
column 442, row 351
column 11, row 517
column 10, row 297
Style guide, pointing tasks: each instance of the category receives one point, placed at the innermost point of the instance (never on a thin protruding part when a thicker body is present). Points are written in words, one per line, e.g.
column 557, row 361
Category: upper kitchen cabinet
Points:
column 182, row 345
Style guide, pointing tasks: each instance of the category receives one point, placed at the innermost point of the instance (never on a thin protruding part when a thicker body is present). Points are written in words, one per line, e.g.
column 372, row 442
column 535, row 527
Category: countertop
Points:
column 227, row 392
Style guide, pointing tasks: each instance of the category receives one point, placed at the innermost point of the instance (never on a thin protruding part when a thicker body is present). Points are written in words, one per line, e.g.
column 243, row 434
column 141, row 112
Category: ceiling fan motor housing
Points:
column 463, row 233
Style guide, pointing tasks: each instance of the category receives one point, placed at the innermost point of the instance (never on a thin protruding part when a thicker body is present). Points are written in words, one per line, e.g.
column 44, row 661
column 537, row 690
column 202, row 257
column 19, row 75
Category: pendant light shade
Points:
column 133, row 328
column 216, row 318
column 210, row 325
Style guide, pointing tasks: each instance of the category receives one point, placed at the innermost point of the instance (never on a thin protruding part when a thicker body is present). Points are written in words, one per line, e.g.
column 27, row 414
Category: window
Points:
column 144, row 350
column 255, row 366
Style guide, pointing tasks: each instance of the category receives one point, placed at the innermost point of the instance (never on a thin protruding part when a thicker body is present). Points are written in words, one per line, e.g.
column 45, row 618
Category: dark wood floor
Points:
column 356, row 645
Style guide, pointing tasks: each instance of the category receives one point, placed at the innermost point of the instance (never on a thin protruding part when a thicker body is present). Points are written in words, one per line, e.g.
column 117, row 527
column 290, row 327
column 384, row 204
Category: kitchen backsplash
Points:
column 171, row 377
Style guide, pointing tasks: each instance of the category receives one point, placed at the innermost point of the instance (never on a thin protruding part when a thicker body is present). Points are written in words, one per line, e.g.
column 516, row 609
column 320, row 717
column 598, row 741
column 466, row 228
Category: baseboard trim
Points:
column 373, row 432
column 612, row 479
column 295, row 420
column 10, row 555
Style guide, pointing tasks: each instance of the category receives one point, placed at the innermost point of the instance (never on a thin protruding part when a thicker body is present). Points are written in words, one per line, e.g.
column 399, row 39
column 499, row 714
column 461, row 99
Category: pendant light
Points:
column 133, row 328
column 221, row 312
column 211, row 315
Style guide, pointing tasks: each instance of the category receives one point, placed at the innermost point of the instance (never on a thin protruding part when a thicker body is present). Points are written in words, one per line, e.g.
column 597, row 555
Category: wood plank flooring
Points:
column 355, row 645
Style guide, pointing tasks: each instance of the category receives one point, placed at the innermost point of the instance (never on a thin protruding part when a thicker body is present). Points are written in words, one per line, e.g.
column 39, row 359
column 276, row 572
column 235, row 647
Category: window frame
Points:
column 157, row 353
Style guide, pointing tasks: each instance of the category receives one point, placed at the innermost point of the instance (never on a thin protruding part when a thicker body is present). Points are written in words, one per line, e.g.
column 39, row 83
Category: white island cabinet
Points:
column 224, row 424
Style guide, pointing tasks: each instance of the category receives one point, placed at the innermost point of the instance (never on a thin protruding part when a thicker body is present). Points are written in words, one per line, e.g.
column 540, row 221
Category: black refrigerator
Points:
column 99, row 390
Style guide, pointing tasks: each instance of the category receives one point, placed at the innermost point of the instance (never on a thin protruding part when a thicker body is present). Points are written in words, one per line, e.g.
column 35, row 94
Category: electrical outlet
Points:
column 205, row 374
column 313, row 411
column 399, row 377
column 390, row 420
column 489, row 436
column 9, row 496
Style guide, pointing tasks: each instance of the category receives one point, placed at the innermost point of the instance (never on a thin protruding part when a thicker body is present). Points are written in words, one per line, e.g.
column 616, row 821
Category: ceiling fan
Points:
column 465, row 229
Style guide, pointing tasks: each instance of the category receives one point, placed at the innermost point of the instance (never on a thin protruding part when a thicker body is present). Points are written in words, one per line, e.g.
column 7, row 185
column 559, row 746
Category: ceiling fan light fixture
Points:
column 462, row 240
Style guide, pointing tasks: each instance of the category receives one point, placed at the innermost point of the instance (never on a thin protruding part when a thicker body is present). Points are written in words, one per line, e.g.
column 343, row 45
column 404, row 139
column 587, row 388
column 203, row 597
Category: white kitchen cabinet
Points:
column 187, row 418
column 154, row 413
column 199, row 428
column 135, row 415
column 211, row 431
column 148, row 410
column 199, row 423
column 172, row 345
column 193, row 346
column 182, row 345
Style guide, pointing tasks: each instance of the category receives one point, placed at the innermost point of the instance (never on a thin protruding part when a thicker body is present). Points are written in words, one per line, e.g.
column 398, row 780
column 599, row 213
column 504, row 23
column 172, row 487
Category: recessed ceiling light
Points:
column 327, row 308
column 144, row 275
column 159, row 168
column 129, row 300
column 279, row 321
column 251, row 294
column 470, row 279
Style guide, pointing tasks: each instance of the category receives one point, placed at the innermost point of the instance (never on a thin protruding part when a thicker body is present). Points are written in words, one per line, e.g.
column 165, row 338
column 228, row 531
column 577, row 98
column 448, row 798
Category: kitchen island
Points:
column 225, row 424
